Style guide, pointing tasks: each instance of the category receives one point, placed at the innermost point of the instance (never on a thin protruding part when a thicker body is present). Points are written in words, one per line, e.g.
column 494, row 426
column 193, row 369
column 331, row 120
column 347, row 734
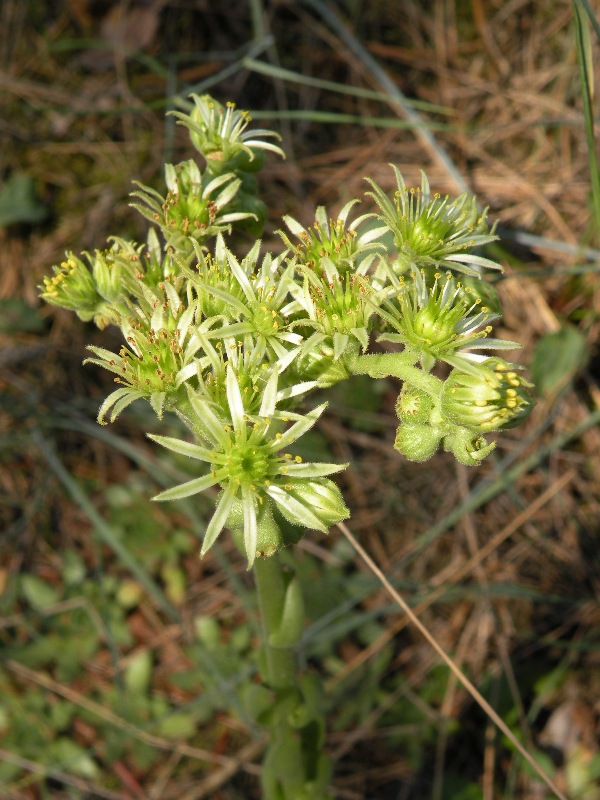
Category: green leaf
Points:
column 68, row 755
column 18, row 201
column 291, row 624
column 39, row 594
column 177, row 726
column 557, row 358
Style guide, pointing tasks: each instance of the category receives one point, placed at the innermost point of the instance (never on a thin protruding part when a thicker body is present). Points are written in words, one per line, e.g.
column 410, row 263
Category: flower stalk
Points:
column 295, row 767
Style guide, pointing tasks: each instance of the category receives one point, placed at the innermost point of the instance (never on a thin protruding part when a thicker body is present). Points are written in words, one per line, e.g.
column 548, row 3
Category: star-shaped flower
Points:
column 247, row 459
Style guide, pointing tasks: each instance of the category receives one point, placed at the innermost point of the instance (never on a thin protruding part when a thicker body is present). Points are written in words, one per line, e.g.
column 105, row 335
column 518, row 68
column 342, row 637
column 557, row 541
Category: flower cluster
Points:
column 235, row 345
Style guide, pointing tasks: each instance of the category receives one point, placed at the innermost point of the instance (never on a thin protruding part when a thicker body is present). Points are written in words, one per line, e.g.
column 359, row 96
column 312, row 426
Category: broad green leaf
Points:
column 557, row 358
column 18, row 201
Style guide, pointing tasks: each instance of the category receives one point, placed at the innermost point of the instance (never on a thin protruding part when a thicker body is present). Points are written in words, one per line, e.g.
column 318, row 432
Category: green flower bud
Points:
column 319, row 364
column 495, row 398
column 417, row 442
column 483, row 291
column 467, row 448
column 245, row 162
column 413, row 406
column 109, row 276
column 322, row 497
column 248, row 203
column 73, row 287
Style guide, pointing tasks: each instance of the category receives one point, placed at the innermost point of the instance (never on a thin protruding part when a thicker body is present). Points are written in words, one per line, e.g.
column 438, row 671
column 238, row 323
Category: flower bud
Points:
column 74, row 287
column 495, row 398
column 318, row 364
column 413, row 406
column 322, row 497
column 417, row 442
column 270, row 537
column 467, row 448
column 108, row 274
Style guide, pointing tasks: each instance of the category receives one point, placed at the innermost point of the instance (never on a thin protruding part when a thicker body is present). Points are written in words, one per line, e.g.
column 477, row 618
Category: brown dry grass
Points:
column 84, row 122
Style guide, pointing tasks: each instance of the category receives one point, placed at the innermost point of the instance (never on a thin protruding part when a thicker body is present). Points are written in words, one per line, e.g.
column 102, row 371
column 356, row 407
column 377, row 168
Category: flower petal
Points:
column 290, row 507
column 187, row 489
column 217, row 523
column 235, row 402
column 183, row 448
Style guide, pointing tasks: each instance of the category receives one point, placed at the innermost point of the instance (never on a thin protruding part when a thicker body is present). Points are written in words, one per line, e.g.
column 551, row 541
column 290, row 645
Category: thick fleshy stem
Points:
column 397, row 365
column 295, row 767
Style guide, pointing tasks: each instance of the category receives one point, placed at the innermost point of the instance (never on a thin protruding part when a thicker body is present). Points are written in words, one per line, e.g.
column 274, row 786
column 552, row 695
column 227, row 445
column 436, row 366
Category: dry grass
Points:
column 510, row 587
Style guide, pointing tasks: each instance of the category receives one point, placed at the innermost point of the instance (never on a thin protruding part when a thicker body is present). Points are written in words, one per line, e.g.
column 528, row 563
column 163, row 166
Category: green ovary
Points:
column 436, row 326
column 340, row 307
column 249, row 464
column 266, row 321
column 425, row 236
column 156, row 370
column 188, row 213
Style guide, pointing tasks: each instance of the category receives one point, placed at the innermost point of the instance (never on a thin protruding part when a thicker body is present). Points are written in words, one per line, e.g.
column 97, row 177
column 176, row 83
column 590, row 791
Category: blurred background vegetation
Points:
column 126, row 663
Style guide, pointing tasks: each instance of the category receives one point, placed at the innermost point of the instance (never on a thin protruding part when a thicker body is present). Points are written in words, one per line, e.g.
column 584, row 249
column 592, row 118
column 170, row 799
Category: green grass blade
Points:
column 590, row 12
column 272, row 71
column 586, row 77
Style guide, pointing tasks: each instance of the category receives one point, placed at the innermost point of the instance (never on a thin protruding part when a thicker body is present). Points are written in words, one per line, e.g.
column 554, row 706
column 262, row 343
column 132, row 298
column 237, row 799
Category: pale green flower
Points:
column 333, row 243
column 248, row 459
column 193, row 208
column 158, row 356
column 438, row 322
column 220, row 134
column 254, row 300
column 339, row 308
column 434, row 232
